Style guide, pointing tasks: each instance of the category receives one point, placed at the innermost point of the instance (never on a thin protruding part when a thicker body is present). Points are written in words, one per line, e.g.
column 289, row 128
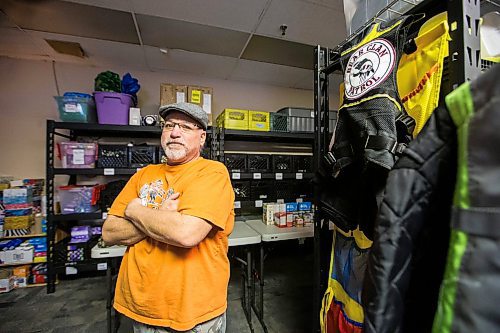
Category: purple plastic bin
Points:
column 112, row 108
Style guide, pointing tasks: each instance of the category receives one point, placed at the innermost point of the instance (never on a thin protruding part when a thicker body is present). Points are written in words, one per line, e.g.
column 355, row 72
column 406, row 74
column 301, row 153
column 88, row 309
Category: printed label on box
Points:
column 207, row 103
column 196, row 96
column 68, row 107
column 78, row 156
column 180, row 96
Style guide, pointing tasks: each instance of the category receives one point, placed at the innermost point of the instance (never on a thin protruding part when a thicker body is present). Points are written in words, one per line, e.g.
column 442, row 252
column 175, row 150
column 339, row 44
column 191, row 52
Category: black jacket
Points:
column 407, row 260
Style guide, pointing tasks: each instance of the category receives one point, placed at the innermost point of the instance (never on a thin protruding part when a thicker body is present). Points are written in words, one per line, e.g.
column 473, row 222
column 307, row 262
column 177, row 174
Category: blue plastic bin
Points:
column 78, row 108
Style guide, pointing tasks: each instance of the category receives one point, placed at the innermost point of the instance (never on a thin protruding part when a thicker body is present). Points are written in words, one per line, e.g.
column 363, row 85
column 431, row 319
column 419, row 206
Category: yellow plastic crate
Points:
column 259, row 121
column 233, row 119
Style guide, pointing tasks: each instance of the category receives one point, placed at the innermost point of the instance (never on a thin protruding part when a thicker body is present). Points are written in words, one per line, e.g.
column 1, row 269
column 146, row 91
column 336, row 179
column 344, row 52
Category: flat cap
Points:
column 190, row 109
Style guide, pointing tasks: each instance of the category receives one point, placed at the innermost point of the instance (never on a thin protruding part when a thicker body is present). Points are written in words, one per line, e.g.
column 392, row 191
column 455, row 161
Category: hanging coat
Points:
column 406, row 262
column 470, row 291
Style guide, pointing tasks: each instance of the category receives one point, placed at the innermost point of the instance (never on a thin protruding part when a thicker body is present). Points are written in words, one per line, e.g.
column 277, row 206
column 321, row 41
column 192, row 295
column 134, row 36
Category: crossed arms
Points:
column 166, row 225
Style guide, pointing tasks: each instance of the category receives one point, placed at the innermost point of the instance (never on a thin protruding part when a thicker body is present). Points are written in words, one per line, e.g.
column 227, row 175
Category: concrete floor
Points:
column 79, row 305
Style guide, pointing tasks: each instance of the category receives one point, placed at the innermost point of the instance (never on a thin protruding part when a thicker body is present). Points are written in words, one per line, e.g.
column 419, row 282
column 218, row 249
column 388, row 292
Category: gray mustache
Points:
column 179, row 143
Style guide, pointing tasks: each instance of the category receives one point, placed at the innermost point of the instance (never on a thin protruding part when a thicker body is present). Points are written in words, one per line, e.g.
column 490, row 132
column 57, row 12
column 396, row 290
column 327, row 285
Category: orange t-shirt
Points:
column 165, row 285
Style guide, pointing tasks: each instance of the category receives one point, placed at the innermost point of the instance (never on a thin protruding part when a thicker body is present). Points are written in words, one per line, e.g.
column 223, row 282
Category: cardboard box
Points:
column 306, row 211
column 268, row 210
column 20, row 282
column 291, row 213
column 280, row 216
column 203, row 97
column 172, row 93
column 7, row 284
column 7, row 280
column 21, row 271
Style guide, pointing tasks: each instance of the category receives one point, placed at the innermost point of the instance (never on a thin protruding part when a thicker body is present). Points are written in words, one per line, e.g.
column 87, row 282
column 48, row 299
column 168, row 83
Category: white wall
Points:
column 26, row 101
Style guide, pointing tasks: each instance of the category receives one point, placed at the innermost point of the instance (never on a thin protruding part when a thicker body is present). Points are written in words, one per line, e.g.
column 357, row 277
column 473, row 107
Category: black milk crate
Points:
column 235, row 162
column 303, row 163
column 242, row 190
column 140, row 156
column 112, row 156
column 62, row 250
column 263, row 190
column 285, row 189
column 108, row 195
column 282, row 163
column 279, row 122
column 303, row 189
column 205, row 153
column 258, row 163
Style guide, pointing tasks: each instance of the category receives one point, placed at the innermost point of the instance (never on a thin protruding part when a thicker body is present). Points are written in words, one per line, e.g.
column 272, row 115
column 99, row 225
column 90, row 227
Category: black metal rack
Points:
column 72, row 131
column 221, row 135
column 463, row 64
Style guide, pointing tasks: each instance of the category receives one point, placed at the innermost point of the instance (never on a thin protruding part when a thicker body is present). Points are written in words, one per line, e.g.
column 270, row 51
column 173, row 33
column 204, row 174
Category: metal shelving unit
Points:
column 24, row 236
column 95, row 172
column 73, row 131
column 463, row 64
column 271, row 175
column 222, row 135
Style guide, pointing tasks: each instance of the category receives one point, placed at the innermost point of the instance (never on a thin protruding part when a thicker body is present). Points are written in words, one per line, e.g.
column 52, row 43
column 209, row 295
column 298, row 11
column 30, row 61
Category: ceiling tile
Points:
column 16, row 43
column 278, row 51
column 240, row 15
column 102, row 53
column 254, row 71
column 174, row 34
column 190, row 62
column 72, row 19
column 306, row 22
column 244, row 15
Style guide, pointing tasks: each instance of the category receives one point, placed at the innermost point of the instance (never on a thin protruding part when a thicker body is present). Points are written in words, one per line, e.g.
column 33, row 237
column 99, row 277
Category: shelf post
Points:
column 464, row 58
column 321, row 131
column 49, row 190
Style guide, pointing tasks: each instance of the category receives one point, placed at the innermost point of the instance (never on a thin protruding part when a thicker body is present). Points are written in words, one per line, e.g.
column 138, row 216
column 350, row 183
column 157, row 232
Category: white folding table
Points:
column 242, row 235
column 245, row 236
column 271, row 233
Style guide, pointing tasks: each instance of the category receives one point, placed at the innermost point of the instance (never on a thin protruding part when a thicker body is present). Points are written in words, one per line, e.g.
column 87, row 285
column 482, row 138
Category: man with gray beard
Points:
column 175, row 219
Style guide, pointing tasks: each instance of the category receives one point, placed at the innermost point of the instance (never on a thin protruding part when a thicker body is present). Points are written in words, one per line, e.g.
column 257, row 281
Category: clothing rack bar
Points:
column 334, row 64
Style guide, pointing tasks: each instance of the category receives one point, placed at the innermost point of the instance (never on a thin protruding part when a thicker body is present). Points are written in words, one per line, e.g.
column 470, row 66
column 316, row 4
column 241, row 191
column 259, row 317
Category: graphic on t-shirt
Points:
column 153, row 195
column 368, row 67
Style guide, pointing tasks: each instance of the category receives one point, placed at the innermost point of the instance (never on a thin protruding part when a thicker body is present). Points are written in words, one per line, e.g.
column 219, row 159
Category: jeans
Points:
column 216, row 325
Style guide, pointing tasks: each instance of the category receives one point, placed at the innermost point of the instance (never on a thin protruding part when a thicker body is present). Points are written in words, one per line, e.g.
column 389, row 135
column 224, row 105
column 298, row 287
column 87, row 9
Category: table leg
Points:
column 246, row 286
column 260, row 309
column 248, row 307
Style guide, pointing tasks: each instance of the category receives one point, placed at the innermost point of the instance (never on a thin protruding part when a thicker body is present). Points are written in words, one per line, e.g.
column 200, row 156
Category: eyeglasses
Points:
column 185, row 128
